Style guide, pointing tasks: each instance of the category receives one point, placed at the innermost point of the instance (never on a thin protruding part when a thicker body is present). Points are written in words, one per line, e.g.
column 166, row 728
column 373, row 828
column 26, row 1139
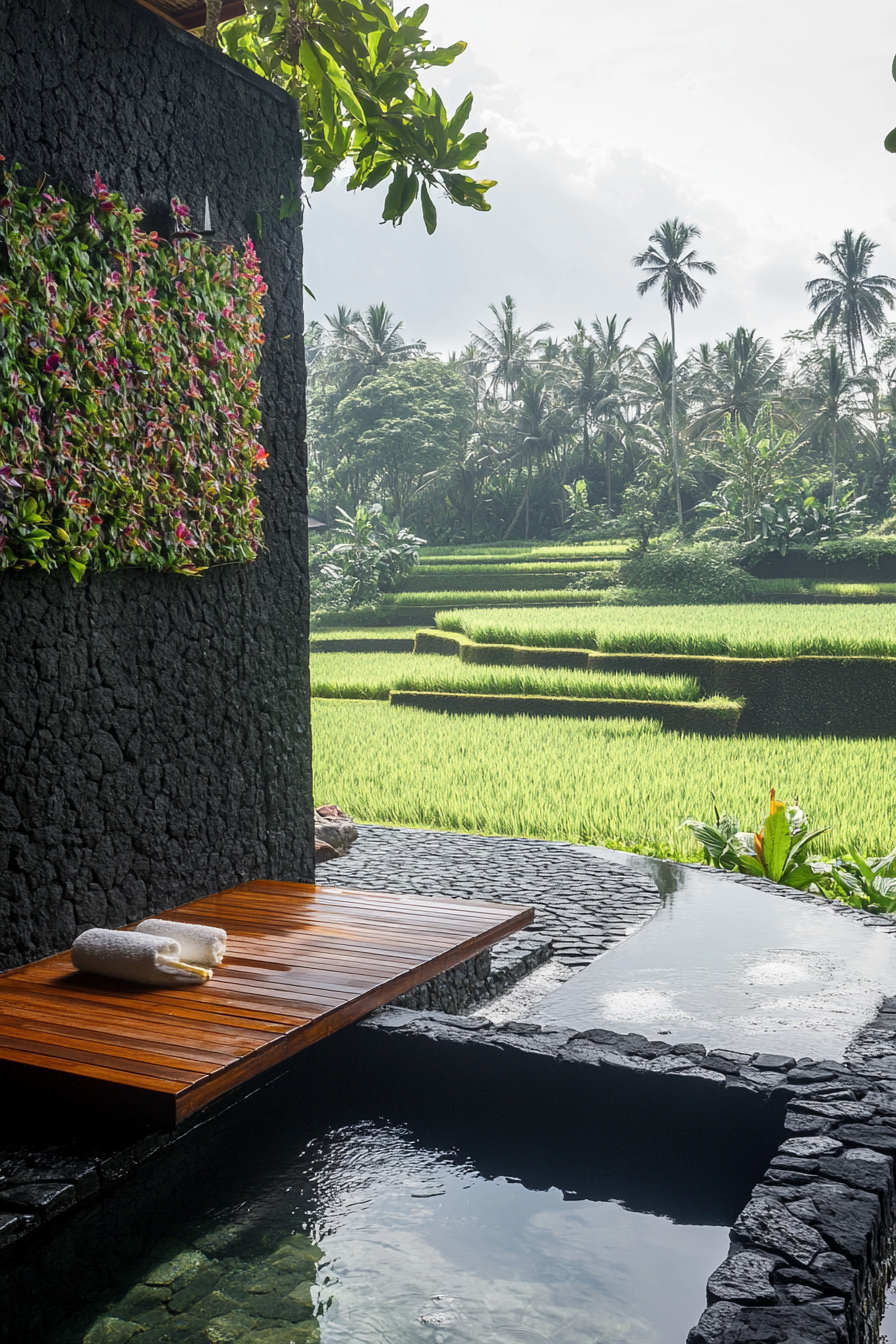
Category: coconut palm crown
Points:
column 848, row 298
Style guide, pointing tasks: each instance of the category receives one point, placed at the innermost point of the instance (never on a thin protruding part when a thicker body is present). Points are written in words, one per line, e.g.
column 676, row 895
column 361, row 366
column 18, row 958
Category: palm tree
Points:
column 582, row 382
column 737, row 378
column 536, row 431
column 849, row 298
column 831, row 398
column 659, row 374
column 509, row 351
column 618, row 362
column 360, row 345
column 671, row 262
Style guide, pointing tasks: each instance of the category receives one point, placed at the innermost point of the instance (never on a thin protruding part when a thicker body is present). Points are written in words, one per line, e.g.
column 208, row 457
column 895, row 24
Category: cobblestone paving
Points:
column 584, row 902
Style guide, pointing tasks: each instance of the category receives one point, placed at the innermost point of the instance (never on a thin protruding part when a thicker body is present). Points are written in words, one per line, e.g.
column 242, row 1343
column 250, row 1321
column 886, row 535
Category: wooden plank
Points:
column 303, row 961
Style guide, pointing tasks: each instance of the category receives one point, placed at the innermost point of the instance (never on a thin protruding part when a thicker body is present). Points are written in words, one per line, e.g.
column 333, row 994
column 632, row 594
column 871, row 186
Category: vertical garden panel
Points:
column 154, row 736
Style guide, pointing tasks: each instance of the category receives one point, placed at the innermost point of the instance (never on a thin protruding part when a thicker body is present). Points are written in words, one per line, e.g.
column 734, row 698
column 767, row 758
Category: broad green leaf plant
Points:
column 777, row 851
column 354, row 67
column 868, row 884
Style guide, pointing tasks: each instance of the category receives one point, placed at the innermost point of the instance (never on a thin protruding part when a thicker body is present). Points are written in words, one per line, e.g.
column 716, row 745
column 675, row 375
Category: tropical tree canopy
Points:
column 529, row 433
column 356, row 69
column 401, row 424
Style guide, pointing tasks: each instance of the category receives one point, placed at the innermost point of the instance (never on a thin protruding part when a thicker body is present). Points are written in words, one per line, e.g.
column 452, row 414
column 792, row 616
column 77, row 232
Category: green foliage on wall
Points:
column 129, row 397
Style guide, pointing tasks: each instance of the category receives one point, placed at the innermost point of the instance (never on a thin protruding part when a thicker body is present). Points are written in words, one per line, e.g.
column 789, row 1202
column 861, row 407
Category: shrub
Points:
column 373, row 555
column 129, row 401
column 777, row 851
column 707, row 571
column 869, row 550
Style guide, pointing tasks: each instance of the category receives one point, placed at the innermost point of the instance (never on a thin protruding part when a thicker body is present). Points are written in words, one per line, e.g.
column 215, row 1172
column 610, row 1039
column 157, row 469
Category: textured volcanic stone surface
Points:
column 763, row 1325
column 769, row 1224
column 743, row 1278
column 584, row 903
column 154, row 738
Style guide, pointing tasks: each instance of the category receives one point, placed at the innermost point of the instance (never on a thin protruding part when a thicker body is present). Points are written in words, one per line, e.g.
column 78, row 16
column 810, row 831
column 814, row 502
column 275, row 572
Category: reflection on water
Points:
column 733, row 967
column 372, row 1237
column 422, row 1249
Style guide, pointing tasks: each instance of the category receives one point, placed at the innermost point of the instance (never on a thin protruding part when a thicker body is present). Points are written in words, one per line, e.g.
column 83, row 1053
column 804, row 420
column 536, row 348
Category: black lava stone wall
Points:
column 154, row 736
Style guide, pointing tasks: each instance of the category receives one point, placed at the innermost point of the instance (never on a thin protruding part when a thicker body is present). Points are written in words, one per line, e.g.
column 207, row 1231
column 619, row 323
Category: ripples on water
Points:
column 414, row 1245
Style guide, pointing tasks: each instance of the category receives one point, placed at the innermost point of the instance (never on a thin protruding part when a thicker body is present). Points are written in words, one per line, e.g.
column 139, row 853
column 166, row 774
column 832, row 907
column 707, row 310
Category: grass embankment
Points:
column 748, row 631
column 552, row 574
column 493, row 597
column 376, row 632
column 522, row 567
column 499, row 553
column 371, row 676
column 622, row 783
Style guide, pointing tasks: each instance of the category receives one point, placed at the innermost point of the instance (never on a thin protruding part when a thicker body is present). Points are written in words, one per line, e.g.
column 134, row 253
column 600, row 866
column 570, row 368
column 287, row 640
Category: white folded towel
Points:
column 200, row 944
column 135, row 956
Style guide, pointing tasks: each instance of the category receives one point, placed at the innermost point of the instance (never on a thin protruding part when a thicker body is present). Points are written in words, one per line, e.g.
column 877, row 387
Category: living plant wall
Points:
column 129, row 395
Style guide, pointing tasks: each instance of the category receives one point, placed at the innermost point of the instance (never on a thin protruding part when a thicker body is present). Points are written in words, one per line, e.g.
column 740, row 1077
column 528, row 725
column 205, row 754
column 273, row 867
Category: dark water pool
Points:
column 415, row 1245
column 384, row 1195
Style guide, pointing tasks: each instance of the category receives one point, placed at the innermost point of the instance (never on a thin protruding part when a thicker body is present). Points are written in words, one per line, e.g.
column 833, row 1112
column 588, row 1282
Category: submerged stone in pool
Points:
column 736, row 968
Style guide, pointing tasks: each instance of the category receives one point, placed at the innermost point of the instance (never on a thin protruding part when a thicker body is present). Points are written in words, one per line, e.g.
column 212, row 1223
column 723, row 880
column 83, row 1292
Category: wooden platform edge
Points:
column 192, row 1098
column 74, row 1088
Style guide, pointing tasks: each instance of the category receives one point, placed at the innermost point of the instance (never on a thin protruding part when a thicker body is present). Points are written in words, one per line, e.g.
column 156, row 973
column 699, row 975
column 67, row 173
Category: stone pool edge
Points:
column 812, row 1250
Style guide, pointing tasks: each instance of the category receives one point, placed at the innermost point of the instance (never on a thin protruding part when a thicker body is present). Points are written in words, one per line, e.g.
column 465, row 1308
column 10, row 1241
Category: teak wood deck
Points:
column 302, row 961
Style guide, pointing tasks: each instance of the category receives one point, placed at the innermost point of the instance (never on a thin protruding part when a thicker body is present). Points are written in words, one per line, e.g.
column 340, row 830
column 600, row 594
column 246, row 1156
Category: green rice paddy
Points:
column 371, row 676
column 511, row 596
column 364, row 632
column 514, row 550
column 621, row 783
column 748, row 631
column 586, row 566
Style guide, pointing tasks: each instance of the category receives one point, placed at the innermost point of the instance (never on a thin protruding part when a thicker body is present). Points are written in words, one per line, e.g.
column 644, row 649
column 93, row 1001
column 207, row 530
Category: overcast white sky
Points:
column 762, row 121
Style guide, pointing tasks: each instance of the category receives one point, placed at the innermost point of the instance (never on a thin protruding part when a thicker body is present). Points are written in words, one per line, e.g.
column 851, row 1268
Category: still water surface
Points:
column 415, row 1245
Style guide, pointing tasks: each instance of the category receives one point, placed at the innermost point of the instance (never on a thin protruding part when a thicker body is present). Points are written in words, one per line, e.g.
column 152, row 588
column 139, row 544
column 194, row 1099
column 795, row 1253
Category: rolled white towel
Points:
column 200, row 944
column 135, row 956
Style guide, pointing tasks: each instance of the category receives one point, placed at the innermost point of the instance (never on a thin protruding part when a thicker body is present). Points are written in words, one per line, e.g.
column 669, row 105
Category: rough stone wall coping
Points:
column 809, row 1251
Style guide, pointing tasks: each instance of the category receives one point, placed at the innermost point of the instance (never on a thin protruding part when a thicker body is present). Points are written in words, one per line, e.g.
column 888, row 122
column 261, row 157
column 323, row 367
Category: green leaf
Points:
column 710, row 837
column 430, row 215
column 776, row 842
column 459, row 120
column 890, row 142
column 800, row 877
column 392, row 206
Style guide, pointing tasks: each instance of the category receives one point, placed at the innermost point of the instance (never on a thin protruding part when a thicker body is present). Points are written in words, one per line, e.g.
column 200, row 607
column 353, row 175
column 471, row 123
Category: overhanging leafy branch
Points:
column 354, row 67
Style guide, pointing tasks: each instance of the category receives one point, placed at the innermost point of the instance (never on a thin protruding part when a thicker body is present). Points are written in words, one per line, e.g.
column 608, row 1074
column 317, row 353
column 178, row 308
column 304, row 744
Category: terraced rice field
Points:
column 536, row 551
column 396, row 632
column 371, row 676
column 622, row 783
column 748, row 631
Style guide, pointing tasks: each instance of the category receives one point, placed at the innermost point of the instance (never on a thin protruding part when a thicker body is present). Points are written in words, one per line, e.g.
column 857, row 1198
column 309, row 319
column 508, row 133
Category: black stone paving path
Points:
column 584, row 902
